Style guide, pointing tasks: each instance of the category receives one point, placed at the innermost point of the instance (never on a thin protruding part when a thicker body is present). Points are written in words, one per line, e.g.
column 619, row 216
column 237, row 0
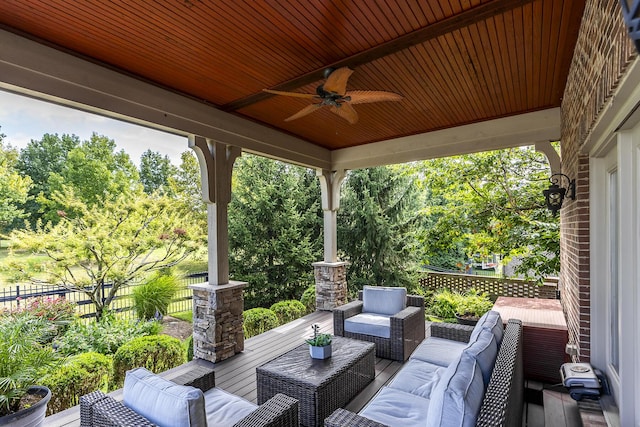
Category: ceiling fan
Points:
column 333, row 93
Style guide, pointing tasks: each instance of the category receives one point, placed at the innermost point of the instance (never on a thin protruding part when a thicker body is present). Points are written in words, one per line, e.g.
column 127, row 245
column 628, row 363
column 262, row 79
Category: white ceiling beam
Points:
column 36, row 70
column 514, row 131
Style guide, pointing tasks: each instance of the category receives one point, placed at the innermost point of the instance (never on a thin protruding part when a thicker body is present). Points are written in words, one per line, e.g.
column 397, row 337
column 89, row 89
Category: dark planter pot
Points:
column 465, row 320
column 30, row 417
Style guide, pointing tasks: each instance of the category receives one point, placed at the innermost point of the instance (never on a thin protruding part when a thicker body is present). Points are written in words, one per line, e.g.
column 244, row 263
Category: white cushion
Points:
column 485, row 351
column 377, row 325
column 225, row 409
column 456, row 400
column 492, row 321
column 162, row 402
column 417, row 377
column 396, row 408
column 439, row 351
column 383, row 300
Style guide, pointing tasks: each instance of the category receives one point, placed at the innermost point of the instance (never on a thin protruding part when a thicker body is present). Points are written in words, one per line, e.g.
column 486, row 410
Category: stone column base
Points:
column 331, row 284
column 217, row 320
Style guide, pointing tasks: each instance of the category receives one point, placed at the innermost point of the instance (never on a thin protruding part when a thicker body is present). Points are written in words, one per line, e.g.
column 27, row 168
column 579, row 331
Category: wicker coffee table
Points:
column 321, row 386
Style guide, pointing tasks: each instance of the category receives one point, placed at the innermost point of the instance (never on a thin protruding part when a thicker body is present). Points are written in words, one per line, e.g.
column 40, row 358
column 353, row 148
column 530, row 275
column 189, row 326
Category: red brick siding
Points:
column 602, row 54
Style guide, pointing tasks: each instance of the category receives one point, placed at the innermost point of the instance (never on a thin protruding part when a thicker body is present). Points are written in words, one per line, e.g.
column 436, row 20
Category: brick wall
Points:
column 602, row 54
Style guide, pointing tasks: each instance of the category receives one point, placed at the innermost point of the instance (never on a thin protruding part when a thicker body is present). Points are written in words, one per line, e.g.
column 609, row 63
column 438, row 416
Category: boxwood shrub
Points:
column 157, row 353
column 289, row 310
column 78, row 376
column 258, row 320
column 308, row 298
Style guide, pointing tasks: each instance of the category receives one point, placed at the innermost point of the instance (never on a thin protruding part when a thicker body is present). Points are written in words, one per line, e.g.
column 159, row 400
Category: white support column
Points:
column 216, row 166
column 547, row 149
column 330, row 274
column 330, row 182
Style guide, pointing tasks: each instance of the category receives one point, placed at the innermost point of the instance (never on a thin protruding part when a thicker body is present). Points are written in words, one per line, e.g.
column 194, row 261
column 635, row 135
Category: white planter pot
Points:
column 30, row 417
column 320, row 352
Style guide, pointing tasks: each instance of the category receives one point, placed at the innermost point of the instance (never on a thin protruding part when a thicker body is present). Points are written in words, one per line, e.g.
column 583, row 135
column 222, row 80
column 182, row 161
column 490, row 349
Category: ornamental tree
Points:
column 119, row 241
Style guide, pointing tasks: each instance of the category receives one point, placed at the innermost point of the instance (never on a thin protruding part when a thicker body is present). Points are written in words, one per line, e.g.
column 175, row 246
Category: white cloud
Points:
column 23, row 119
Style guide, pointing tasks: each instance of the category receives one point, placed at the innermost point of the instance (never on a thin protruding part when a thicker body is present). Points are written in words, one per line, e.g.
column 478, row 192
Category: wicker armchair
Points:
column 100, row 410
column 407, row 328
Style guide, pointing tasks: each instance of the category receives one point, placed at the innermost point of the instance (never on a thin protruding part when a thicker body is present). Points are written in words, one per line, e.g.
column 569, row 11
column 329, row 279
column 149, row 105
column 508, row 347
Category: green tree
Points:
column 120, row 240
column 14, row 188
column 185, row 185
column 155, row 170
column 492, row 202
column 38, row 160
column 270, row 216
column 376, row 221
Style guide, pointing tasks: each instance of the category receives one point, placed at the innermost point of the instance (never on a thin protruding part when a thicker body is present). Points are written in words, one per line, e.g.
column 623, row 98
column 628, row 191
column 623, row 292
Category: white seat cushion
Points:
column 383, row 300
column 163, row 402
column 225, row 409
column 417, row 377
column 439, row 351
column 396, row 408
column 456, row 399
column 377, row 325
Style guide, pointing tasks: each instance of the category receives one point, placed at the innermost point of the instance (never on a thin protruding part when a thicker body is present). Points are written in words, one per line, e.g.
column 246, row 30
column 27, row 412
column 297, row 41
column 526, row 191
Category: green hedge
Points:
column 157, row 353
column 308, row 298
column 79, row 375
column 289, row 310
column 258, row 320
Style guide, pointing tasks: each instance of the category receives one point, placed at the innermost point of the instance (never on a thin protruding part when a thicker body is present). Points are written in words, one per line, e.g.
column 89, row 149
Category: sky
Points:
column 23, row 119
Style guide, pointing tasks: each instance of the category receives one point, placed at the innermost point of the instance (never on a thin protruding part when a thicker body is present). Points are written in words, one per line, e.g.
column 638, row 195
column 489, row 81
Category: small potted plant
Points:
column 24, row 359
column 319, row 344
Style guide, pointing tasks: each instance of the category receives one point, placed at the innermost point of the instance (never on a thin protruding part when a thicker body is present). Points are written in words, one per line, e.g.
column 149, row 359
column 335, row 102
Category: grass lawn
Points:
column 184, row 315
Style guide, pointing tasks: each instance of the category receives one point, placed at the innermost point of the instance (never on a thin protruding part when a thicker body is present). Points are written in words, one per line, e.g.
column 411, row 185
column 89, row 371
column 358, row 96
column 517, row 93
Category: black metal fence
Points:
column 15, row 296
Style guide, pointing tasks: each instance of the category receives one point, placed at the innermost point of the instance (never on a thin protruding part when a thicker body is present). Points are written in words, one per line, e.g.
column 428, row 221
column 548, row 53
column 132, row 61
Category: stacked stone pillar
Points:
column 331, row 284
column 217, row 320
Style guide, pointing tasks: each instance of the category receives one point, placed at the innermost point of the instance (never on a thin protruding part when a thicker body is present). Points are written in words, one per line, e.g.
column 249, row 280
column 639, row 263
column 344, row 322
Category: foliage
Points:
column 308, row 299
column 376, row 223
column 187, row 316
column 445, row 304
column 155, row 171
column 157, row 353
column 40, row 159
column 287, row 311
column 14, row 187
column 120, row 240
column 105, row 336
column 318, row 339
column 258, row 320
column 491, row 202
column 186, row 187
column 23, row 358
column 80, row 375
column 154, row 296
column 275, row 225
column 189, row 345
column 57, row 310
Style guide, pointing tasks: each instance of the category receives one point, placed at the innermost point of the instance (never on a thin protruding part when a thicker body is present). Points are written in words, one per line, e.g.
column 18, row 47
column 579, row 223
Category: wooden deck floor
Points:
column 237, row 375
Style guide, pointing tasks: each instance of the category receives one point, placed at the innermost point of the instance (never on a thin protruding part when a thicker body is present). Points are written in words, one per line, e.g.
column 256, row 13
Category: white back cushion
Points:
column 485, row 351
column 383, row 300
column 492, row 321
column 162, row 402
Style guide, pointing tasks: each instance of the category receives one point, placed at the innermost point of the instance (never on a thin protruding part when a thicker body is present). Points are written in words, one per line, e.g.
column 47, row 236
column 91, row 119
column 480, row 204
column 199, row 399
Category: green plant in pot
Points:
column 319, row 344
column 472, row 306
column 24, row 360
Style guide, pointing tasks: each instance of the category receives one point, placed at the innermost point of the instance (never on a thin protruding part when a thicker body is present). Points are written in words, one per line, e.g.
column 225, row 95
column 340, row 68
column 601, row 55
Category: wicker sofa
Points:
column 454, row 387
column 149, row 400
column 386, row 316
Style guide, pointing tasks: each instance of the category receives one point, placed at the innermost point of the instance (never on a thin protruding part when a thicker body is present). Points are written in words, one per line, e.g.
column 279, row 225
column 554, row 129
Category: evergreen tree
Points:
column 155, row 170
column 14, row 188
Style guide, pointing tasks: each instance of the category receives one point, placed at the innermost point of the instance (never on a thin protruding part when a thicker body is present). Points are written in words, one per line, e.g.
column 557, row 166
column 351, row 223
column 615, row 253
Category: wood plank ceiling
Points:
column 454, row 61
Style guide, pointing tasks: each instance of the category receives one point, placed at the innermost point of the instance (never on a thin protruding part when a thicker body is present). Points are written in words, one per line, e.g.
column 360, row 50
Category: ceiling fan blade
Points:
column 306, row 110
column 364, row 96
column 294, row 94
column 337, row 81
column 347, row 112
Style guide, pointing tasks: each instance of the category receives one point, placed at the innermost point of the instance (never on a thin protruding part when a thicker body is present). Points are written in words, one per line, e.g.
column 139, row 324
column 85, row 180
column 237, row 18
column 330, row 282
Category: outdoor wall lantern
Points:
column 554, row 195
column 631, row 13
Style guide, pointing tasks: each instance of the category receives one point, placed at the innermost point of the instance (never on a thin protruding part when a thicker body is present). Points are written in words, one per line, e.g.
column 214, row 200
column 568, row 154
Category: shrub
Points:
column 445, row 304
column 287, row 311
column 474, row 304
column 154, row 296
column 308, row 298
column 189, row 348
column 157, row 353
column 258, row 320
column 104, row 336
column 58, row 311
column 80, row 375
